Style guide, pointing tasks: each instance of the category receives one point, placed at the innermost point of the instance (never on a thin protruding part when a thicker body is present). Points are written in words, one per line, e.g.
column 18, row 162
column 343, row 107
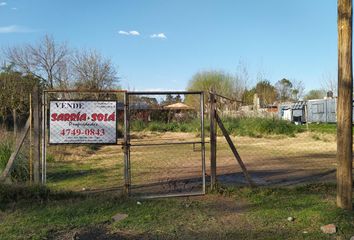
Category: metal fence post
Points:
column 36, row 135
column 202, row 135
column 127, row 179
column 43, row 136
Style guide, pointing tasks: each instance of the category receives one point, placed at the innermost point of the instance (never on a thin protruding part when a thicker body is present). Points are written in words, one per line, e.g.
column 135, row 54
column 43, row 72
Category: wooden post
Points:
column 36, row 135
column 31, row 142
column 14, row 154
column 234, row 151
column 127, row 175
column 344, row 106
column 212, row 140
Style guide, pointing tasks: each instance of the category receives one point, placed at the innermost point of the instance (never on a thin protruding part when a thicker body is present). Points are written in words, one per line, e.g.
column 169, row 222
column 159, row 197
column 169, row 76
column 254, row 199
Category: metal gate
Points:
column 160, row 136
column 164, row 144
column 83, row 167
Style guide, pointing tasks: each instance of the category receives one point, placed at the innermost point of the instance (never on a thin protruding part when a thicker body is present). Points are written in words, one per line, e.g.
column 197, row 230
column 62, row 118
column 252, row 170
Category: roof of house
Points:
column 178, row 106
column 299, row 105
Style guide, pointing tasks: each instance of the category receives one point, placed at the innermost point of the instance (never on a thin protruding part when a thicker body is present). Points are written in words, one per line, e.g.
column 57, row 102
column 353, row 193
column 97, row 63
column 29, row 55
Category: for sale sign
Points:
column 82, row 122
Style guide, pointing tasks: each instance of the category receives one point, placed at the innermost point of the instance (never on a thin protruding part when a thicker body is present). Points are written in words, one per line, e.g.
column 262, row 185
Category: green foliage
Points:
column 311, row 206
column 15, row 90
column 247, row 96
column 5, row 153
column 253, row 127
column 285, row 88
column 157, row 126
column 329, row 128
column 50, row 158
column 14, row 193
column 219, row 81
column 259, row 127
column 266, row 92
column 42, row 214
column 20, row 170
column 315, row 94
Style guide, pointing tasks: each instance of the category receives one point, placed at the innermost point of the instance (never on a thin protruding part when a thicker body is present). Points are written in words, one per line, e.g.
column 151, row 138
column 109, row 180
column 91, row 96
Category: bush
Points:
column 5, row 153
column 253, row 127
column 258, row 127
column 20, row 169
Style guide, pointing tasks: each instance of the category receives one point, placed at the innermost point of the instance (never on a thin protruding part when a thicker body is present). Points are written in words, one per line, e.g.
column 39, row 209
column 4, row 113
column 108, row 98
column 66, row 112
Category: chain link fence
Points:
column 165, row 140
column 83, row 138
column 167, row 147
column 276, row 152
column 20, row 171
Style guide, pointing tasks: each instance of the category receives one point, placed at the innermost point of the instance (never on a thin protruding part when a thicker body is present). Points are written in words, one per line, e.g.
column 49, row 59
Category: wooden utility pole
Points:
column 212, row 140
column 344, row 106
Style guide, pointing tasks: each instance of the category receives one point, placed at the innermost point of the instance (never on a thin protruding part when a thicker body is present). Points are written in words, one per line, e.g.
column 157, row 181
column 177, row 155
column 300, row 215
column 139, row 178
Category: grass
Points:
column 84, row 167
column 157, row 126
column 326, row 128
column 259, row 127
column 253, row 127
column 20, row 171
column 5, row 153
column 239, row 213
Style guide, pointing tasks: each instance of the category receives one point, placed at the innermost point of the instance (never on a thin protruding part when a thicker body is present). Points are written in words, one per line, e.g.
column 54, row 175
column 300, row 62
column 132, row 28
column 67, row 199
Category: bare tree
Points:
column 92, row 71
column 298, row 89
column 329, row 82
column 43, row 60
column 242, row 74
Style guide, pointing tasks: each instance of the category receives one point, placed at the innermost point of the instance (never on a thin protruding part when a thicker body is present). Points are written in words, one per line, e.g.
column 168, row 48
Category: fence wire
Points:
column 167, row 146
column 165, row 151
column 20, row 171
column 276, row 152
column 94, row 166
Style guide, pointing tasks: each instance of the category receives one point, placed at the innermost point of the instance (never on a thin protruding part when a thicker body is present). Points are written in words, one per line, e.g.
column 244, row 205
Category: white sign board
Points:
column 82, row 122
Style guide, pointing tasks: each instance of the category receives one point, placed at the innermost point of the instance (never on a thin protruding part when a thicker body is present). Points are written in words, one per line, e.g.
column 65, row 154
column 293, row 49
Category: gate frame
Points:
column 127, row 144
column 44, row 112
column 126, row 139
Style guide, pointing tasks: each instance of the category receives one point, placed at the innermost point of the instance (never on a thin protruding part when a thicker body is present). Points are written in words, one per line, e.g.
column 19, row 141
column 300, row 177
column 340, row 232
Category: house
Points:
column 284, row 111
column 322, row 110
column 298, row 111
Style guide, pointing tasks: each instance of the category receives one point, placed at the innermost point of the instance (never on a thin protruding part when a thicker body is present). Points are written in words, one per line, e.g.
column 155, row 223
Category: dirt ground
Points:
column 176, row 168
column 280, row 161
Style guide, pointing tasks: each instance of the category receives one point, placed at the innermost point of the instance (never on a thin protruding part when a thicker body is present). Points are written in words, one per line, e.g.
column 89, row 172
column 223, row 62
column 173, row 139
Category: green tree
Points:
column 219, row 81
column 14, row 94
column 266, row 92
column 247, row 96
column 315, row 94
column 285, row 90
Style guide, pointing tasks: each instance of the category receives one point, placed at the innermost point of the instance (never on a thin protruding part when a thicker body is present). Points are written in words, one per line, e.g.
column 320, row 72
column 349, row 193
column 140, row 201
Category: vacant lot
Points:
column 275, row 160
